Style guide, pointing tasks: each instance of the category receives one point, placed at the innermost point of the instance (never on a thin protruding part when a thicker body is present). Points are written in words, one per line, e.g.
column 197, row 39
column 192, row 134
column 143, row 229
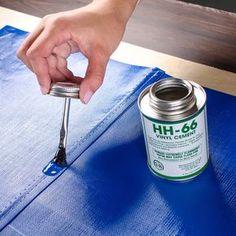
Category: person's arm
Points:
column 94, row 30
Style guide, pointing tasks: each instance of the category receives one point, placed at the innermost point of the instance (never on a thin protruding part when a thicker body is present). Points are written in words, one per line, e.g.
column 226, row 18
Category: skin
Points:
column 94, row 30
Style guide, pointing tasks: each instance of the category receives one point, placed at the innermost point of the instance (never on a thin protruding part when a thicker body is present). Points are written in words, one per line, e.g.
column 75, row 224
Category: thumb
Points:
column 93, row 78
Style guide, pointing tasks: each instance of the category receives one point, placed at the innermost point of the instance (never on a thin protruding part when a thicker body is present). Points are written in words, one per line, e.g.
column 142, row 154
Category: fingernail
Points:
column 44, row 90
column 87, row 96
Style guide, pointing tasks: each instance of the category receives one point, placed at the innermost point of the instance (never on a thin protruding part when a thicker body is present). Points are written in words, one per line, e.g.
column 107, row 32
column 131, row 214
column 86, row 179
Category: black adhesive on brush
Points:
column 60, row 157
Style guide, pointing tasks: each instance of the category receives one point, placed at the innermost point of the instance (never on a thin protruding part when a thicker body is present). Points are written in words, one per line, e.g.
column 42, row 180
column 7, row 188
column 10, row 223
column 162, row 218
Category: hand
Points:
column 94, row 30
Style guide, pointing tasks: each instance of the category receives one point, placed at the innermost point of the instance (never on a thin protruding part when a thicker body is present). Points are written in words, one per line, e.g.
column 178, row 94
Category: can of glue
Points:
column 173, row 113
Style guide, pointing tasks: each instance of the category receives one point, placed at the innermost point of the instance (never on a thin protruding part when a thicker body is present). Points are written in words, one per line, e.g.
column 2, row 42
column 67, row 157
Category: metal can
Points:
column 173, row 113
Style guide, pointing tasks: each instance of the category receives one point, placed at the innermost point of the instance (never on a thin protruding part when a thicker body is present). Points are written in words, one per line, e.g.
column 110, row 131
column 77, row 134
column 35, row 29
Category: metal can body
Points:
column 173, row 114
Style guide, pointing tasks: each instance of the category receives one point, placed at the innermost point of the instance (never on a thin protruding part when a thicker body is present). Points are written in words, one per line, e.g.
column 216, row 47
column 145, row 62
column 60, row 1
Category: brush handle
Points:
column 60, row 156
column 64, row 125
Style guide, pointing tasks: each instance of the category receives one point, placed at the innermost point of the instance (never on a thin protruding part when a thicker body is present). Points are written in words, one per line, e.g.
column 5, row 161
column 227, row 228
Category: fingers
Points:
column 65, row 49
column 54, row 73
column 45, row 52
column 61, row 53
column 58, row 70
column 65, row 72
column 38, row 53
column 94, row 77
column 62, row 67
column 40, row 68
column 21, row 52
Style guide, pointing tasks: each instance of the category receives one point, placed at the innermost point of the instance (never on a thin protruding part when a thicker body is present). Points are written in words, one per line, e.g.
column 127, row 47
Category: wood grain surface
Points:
column 188, row 31
column 227, row 5
column 207, row 76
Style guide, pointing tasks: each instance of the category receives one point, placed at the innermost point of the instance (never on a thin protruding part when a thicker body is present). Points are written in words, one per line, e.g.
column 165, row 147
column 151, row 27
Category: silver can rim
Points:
column 168, row 118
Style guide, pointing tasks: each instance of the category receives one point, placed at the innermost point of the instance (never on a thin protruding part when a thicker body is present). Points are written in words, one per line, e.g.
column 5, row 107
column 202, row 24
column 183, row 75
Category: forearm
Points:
column 122, row 9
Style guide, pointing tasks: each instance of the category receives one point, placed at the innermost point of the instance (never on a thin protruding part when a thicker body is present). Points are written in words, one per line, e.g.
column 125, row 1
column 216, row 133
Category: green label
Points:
column 176, row 148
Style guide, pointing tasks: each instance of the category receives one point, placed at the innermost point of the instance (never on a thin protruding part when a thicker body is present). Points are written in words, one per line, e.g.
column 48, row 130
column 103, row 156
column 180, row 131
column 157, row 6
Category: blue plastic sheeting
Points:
column 109, row 190
column 30, row 122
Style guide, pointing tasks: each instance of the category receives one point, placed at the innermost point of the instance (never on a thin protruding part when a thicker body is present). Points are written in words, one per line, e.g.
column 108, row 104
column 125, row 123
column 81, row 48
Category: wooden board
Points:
column 188, row 31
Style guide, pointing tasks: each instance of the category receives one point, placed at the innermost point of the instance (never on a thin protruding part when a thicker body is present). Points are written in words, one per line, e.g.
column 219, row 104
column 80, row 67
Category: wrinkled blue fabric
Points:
column 30, row 122
column 108, row 190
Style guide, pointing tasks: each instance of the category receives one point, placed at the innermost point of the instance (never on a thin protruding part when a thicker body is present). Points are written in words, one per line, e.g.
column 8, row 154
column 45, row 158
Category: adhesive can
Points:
column 173, row 113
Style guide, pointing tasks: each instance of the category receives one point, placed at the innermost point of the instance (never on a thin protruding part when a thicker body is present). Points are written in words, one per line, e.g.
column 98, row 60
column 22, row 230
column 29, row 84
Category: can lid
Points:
column 65, row 89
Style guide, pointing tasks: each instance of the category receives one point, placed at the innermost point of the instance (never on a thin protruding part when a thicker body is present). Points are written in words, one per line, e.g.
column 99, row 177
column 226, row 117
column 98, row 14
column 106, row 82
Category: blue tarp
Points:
column 107, row 189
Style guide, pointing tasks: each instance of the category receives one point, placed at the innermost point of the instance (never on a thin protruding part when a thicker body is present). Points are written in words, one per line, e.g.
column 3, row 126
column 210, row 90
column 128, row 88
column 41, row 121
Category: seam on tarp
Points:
column 40, row 178
column 155, row 73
